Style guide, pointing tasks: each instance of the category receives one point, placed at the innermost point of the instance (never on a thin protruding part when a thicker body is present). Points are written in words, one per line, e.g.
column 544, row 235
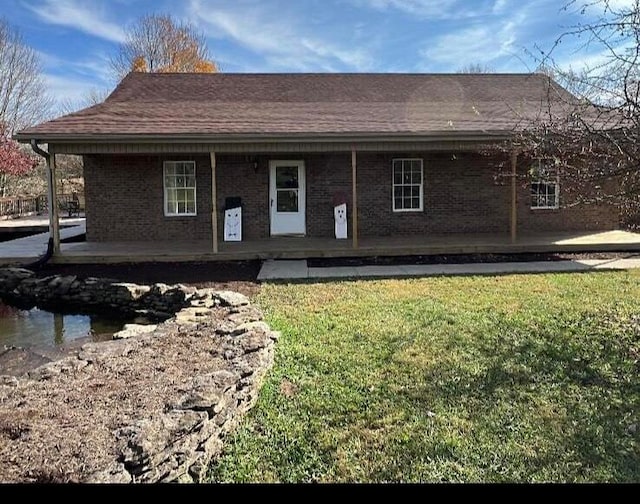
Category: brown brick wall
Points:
column 237, row 176
column 459, row 196
column 125, row 197
column 566, row 218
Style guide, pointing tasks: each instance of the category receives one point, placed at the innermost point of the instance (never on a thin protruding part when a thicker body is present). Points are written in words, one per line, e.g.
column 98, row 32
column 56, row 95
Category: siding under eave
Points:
column 259, row 147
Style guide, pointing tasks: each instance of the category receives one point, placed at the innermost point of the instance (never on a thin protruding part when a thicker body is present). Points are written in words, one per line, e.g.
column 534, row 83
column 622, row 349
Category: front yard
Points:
column 509, row 378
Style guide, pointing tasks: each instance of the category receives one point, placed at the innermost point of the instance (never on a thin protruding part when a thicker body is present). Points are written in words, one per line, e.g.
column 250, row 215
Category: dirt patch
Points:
column 239, row 276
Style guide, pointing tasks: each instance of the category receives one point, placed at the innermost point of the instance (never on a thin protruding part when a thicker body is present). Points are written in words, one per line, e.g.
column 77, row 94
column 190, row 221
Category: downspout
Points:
column 50, row 202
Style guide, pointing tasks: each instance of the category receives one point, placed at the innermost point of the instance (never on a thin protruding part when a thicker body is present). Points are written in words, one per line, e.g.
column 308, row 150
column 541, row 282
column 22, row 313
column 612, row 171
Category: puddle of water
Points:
column 40, row 328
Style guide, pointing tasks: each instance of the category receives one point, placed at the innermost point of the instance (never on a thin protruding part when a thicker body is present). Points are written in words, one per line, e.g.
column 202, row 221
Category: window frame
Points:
column 394, row 185
column 548, row 181
column 165, row 189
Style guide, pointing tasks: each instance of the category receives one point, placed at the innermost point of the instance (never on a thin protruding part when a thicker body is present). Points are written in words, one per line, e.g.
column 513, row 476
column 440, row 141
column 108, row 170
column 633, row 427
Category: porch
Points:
column 296, row 247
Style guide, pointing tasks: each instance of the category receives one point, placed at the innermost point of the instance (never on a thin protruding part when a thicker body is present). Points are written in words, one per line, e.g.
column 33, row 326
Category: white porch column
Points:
column 214, row 203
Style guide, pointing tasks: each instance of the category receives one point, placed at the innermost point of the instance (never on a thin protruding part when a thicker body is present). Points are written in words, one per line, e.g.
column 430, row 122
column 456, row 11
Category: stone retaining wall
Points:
column 159, row 301
column 177, row 441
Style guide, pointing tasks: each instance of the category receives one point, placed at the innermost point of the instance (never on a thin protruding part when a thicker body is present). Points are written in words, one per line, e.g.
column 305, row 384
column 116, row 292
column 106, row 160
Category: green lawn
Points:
column 509, row 378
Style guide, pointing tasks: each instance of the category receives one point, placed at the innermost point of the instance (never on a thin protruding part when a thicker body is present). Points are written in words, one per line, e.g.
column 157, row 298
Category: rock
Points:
column 62, row 284
column 193, row 314
column 225, row 327
column 131, row 291
column 231, row 298
column 251, row 327
column 11, row 277
column 8, row 381
column 145, row 440
column 223, row 378
column 251, row 342
column 130, row 330
column 159, row 288
column 206, row 302
column 116, row 473
column 201, row 398
column 244, row 314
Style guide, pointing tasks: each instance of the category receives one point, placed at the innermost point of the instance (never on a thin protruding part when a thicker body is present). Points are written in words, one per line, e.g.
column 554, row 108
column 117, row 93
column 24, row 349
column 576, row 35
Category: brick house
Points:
column 402, row 150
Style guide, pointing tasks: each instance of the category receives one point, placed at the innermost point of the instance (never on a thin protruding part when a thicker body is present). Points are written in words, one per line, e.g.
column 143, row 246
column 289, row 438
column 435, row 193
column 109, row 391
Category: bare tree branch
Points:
column 23, row 98
column 592, row 134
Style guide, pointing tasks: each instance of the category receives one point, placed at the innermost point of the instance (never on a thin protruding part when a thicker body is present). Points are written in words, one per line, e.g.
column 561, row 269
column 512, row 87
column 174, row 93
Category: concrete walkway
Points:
column 32, row 247
column 290, row 270
column 39, row 220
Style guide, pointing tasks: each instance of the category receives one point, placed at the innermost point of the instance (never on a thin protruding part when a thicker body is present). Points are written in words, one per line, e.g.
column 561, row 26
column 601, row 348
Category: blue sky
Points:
column 76, row 38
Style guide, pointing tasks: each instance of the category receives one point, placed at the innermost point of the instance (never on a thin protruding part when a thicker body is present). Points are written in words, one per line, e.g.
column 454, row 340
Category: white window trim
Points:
column 164, row 190
column 393, row 186
column 549, row 181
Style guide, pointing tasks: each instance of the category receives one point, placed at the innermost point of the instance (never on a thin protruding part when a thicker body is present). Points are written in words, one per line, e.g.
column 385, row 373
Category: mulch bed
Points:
column 239, row 276
column 461, row 259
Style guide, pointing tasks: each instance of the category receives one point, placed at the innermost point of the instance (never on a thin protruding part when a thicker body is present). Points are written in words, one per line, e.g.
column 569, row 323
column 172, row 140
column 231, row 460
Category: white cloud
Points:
column 428, row 9
column 500, row 6
column 83, row 16
column 281, row 39
column 68, row 89
column 504, row 39
column 95, row 67
column 476, row 44
column 621, row 4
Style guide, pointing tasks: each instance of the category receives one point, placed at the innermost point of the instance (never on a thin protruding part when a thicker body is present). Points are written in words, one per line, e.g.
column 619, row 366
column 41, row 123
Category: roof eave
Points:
column 433, row 136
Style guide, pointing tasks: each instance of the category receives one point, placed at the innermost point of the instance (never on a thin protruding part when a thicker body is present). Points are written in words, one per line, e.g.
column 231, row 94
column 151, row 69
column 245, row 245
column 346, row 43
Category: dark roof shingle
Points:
column 307, row 104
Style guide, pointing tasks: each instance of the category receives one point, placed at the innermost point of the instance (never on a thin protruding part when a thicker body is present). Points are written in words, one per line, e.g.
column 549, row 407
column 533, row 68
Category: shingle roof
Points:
column 215, row 105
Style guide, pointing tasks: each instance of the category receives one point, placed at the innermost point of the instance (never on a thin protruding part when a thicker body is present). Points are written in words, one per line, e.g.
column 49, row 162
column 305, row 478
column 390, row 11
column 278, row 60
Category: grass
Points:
column 474, row 379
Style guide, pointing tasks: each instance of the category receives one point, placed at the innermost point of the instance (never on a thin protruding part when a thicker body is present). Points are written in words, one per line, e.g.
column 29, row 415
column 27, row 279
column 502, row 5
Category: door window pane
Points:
column 286, row 177
column 287, row 201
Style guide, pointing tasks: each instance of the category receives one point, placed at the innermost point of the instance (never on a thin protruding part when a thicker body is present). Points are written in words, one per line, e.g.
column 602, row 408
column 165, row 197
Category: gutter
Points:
column 53, row 244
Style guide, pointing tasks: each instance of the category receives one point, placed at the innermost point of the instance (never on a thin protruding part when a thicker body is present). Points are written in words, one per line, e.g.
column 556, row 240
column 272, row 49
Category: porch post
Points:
column 54, row 212
column 214, row 203
column 354, row 198
column 514, row 196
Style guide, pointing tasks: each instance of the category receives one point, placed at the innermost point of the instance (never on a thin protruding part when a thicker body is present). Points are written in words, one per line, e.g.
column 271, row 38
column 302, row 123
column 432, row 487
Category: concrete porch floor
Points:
column 297, row 247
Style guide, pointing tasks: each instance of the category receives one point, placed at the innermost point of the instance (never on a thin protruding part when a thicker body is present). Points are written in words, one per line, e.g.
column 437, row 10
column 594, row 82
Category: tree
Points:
column 157, row 43
column 23, row 101
column 474, row 68
column 591, row 135
column 23, row 97
column 13, row 159
column 93, row 97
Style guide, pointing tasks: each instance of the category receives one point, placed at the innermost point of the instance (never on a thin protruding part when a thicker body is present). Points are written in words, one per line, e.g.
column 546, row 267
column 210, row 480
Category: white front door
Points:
column 287, row 197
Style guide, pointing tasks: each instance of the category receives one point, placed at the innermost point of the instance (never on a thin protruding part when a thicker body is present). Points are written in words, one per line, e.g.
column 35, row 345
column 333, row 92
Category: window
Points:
column 179, row 188
column 545, row 189
column 407, row 185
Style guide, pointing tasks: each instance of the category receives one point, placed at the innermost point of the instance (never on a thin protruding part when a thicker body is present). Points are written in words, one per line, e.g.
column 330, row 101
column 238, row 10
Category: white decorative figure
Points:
column 233, row 224
column 340, row 217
